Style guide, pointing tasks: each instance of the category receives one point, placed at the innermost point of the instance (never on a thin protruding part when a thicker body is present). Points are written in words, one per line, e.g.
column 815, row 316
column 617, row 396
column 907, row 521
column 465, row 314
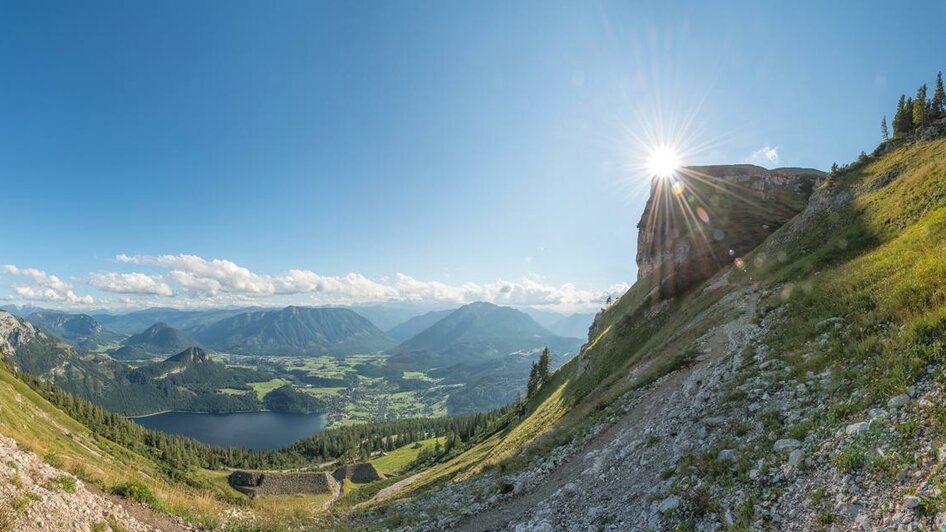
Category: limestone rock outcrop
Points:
column 707, row 217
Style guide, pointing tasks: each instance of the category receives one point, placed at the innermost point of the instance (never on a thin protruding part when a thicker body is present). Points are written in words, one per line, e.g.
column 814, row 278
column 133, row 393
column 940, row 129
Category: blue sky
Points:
column 212, row 153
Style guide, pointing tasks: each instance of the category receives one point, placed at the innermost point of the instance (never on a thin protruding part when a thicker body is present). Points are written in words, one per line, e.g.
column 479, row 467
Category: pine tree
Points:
column 544, row 367
column 534, row 381
column 938, row 104
column 919, row 108
column 884, row 132
column 902, row 120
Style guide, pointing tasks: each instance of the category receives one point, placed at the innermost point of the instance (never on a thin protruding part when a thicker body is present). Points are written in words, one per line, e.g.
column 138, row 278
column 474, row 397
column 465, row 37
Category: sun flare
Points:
column 663, row 161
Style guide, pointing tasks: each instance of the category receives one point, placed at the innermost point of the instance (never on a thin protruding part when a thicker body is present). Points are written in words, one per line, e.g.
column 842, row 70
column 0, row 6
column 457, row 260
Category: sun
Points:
column 663, row 161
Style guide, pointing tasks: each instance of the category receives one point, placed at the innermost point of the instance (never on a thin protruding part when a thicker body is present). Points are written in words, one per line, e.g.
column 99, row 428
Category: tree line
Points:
column 914, row 114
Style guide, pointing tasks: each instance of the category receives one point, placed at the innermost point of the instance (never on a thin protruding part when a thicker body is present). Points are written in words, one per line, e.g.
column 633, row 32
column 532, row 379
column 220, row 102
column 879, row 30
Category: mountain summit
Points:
column 159, row 339
column 299, row 331
column 480, row 331
column 80, row 330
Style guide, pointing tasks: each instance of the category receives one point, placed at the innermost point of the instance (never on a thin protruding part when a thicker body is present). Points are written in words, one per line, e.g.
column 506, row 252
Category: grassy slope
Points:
column 394, row 462
column 37, row 425
column 880, row 262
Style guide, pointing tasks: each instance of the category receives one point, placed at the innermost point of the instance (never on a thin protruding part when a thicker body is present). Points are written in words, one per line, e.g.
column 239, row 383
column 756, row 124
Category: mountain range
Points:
column 80, row 330
column 137, row 321
column 186, row 381
column 301, row 331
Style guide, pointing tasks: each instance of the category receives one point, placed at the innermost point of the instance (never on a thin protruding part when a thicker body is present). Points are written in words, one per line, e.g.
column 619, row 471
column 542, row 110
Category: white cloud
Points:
column 43, row 287
column 226, row 282
column 765, row 155
column 130, row 283
column 39, row 277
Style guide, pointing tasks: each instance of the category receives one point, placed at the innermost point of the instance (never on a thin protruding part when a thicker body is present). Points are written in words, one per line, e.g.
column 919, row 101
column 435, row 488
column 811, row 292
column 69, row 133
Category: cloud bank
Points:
column 41, row 286
column 194, row 277
column 191, row 281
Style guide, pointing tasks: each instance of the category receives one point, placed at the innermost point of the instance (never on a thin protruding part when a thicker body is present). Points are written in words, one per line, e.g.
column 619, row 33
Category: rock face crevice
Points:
column 706, row 217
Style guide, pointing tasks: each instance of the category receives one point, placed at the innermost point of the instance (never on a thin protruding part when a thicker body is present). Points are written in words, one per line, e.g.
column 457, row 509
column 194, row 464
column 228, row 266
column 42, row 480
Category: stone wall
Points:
column 705, row 217
column 271, row 483
column 358, row 473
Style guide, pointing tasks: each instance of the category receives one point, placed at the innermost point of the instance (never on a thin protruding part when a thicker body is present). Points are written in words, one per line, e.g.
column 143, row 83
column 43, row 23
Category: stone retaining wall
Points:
column 358, row 473
column 270, row 483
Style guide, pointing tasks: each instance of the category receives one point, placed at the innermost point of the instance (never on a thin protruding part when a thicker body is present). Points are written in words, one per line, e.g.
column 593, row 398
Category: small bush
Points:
column 136, row 491
column 67, row 483
column 849, row 460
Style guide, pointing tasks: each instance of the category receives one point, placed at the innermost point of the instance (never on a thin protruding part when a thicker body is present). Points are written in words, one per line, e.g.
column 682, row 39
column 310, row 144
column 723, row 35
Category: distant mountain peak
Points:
column 191, row 355
column 295, row 330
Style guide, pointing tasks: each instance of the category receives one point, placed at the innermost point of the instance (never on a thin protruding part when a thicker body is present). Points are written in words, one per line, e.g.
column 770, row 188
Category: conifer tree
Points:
column 919, row 108
column 884, row 132
column 544, row 367
column 902, row 120
column 938, row 105
column 534, row 382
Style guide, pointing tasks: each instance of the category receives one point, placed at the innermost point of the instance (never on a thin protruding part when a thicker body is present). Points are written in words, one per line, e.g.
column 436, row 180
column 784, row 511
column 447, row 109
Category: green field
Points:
column 350, row 396
column 263, row 388
column 395, row 461
column 231, row 391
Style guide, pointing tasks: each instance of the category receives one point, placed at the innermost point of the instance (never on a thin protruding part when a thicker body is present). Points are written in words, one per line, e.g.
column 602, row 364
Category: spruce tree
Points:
column 544, row 366
column 534, row 383
column 919, row 108
column 902, row 120
column 938, row 104
column 884, row 132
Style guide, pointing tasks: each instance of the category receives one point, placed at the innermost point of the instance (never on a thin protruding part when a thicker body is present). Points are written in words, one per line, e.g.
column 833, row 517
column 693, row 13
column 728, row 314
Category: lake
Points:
column 253, row 430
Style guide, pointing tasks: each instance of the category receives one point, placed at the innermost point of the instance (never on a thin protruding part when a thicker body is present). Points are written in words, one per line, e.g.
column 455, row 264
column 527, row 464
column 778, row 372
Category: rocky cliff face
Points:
column 14, row 332
column 709, row 216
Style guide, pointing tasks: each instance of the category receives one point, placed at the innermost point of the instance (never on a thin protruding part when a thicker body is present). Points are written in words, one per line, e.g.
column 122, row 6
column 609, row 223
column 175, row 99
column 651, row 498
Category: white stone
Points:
column 898, row 400
column 857, row 428
column 726, row 455
column 795, row 458
column 786, row 445
column 669, row 504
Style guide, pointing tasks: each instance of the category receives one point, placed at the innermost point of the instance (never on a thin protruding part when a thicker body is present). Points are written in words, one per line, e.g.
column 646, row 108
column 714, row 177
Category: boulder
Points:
column 786, row 445
column 898, row 400
column 856, row 428
column 669, row 504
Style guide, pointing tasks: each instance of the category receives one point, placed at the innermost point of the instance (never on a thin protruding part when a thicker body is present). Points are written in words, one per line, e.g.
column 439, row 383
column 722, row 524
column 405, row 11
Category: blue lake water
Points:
column 253, row 430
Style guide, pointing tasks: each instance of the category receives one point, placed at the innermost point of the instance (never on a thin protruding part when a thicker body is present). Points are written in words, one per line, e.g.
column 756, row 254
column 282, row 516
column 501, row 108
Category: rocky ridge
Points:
column 699, row 221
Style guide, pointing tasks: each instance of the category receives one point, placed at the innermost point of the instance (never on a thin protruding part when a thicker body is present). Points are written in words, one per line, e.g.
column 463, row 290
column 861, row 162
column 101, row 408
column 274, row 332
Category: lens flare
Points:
column 677, row 188
column 704, row 216
column 663, row 161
